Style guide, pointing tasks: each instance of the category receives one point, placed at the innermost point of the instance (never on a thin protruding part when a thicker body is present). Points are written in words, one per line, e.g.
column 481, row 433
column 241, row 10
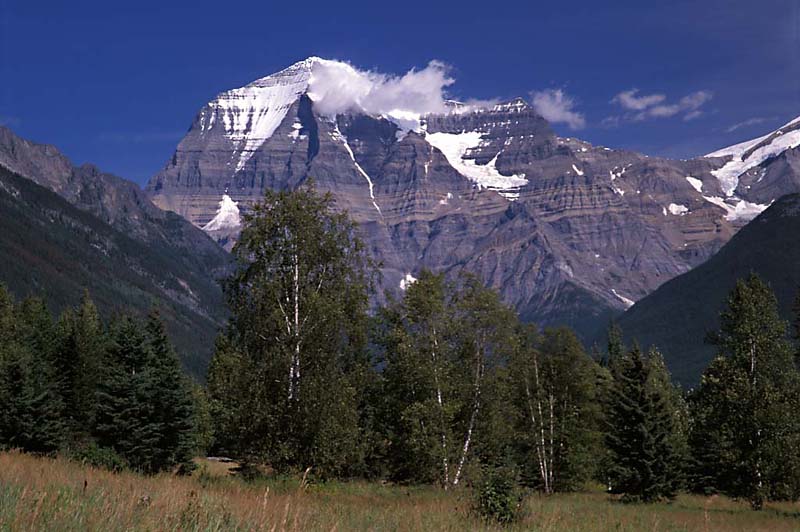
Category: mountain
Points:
column 567, row 231
column 66, row 229
column 677, row 316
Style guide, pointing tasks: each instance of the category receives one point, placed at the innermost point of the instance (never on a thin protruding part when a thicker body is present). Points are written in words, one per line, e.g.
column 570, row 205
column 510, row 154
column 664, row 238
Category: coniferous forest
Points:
column 442, row 386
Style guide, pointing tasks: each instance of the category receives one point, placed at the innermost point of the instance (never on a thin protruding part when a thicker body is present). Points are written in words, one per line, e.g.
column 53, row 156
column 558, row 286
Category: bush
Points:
column 497, row 497
column 96, row 456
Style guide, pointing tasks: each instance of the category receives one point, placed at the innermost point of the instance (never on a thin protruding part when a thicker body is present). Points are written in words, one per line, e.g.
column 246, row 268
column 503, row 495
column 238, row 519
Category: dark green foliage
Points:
column 111, row 398
column 78, row 361
column 51, row 247
column 31, row 409
column 641, row 431
column 497, row 496
column 88, row 452
column 557, row 410
column 745, row 429
column 288, row 378
column 677, row 316
column 145, row 411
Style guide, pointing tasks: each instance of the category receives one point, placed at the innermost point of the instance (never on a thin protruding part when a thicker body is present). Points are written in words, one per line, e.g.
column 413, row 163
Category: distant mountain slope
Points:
column 97, row 231
column 677, row 316
column 116, row 201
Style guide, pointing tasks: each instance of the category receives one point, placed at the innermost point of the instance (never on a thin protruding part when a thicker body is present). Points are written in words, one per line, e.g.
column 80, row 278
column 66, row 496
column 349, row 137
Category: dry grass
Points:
column 45, row 494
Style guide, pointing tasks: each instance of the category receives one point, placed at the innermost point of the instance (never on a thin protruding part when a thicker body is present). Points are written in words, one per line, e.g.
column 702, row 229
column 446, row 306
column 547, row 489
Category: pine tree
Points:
column 745, row 407
column 299, row 300
column 144, row 405
column 640, row 433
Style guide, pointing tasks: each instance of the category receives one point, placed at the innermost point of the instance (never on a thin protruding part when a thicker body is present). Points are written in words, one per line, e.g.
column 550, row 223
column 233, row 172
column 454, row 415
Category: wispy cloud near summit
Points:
column 558, row 107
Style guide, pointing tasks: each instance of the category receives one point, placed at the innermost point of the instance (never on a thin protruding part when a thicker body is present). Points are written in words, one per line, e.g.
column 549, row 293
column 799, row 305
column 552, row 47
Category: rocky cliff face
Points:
column 567, row 231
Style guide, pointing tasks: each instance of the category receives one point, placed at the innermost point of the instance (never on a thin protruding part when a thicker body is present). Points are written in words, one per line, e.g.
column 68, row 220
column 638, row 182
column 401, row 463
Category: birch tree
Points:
column 443, row 342
column 745, row 438
column 418, row 412
column 485, row 329
column 557, row 409
column 298, row 300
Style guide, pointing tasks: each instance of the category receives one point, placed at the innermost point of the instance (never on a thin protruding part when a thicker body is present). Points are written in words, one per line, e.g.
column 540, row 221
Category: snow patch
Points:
column 678, row 210
column 579, row 172
column 628, row 302
column 227, row 216
column 252, row 113
column 696, row 183
column 456, row 147
column 741, row 210
column 407, row 281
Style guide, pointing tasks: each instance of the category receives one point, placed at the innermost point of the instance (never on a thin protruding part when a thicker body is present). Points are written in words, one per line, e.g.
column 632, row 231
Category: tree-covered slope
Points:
column 678, row 315
column 51, row 248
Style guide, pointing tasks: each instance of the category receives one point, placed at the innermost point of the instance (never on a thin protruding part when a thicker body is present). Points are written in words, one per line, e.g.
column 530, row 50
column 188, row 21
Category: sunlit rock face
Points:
column 567, row 231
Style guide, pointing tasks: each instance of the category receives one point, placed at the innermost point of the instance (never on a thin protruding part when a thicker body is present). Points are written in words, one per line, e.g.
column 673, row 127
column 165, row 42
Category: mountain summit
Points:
column 568, row 232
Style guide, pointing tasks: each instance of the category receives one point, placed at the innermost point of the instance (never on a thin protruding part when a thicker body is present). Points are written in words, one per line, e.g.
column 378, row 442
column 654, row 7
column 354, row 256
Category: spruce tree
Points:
column 78, row 359
column 640, row 432
column 171, row 399
column 122, row 409
column 31, row 408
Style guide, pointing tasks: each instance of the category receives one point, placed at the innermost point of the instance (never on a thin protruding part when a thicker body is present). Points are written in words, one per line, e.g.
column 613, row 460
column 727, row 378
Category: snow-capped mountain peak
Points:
column 251, row 114
column 750, row 154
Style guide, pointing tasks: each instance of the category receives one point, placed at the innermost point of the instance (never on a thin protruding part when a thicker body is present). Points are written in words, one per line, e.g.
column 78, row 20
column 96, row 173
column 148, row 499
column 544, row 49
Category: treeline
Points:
column 111, row 395
column 445, row 385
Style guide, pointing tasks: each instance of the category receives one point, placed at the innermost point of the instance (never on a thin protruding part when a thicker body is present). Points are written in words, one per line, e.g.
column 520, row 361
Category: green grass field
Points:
column 46, row 494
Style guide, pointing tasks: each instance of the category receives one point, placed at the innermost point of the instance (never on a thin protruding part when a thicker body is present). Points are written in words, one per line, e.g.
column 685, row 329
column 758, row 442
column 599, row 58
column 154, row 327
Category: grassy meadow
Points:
column 54, row 494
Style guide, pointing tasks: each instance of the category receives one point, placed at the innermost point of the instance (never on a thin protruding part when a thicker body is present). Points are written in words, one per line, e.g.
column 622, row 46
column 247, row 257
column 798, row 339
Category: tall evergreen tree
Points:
column 640, row 432
column 745, row 431
column 31, row 408
column 78, row 359
column 299, row 300
column 120, row 420
column 171, row 400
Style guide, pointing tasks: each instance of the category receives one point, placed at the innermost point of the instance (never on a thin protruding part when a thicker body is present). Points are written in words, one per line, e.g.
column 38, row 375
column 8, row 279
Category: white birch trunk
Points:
column 475, row 407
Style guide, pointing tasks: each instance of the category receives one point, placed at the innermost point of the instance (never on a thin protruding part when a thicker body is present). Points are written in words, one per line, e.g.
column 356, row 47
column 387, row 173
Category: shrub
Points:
column 497, row 497
column 96, row 456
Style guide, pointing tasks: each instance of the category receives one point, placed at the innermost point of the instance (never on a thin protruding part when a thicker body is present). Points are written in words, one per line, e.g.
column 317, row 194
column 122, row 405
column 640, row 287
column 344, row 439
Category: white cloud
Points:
column 746, row 123
column 655, row 106
column 337, row 87
column 630, row 101
column 557, row 107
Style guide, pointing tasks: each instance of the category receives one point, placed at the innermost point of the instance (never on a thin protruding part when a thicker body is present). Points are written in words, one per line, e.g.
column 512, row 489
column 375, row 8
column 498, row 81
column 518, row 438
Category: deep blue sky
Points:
column 118, row 83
